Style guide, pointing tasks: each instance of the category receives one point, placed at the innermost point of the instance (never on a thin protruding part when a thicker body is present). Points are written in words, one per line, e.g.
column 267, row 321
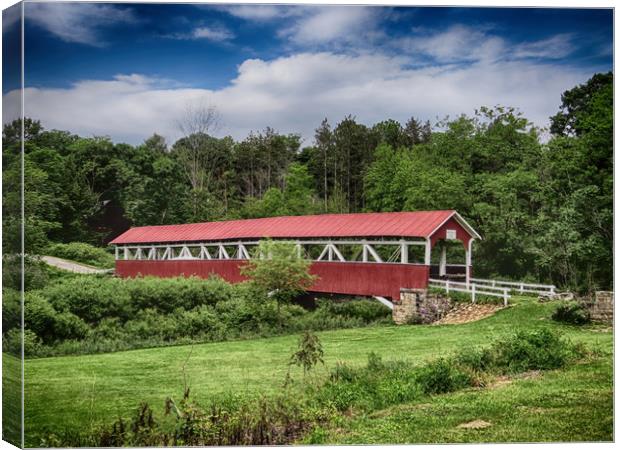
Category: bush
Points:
column 11, row 343
column 534, row 350
column 39, row 315
column 364, row 309
column 377, row 385
column 35, row 273
column 168, row 294
column 92, row 298
column 442, row 375
column 83, row 253
column 574, row 313
column 11, row 309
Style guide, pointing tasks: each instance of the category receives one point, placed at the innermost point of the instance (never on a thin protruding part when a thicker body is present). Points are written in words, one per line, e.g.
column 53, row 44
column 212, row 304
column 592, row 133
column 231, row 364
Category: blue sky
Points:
column 127, row 70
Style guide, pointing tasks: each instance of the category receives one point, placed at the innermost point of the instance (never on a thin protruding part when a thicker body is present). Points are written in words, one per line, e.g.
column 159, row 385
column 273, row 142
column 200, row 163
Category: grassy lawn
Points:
column 81, row 391
column 575, row 405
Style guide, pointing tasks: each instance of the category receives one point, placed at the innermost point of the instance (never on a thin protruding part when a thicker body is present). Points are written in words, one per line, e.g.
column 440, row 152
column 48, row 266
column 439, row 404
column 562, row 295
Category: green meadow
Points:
column 82, row 392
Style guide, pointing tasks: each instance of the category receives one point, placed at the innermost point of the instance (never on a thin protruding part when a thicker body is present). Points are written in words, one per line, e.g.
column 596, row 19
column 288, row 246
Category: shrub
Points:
column 534, row 350
column 476, row 359
column 35, row 273
column 92, row 298
column 377, row 385
column 69, row 326
column 168, row 294
column 575, row 313
column 11, row 309
column 442, row 375
column 81, row 252
column 364, row 309
column 39, row 315
column 11, row 343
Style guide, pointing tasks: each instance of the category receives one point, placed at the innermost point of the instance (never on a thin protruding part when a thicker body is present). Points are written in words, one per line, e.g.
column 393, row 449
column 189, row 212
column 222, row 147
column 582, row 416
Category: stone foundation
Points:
column 419, row 306
column 602, row 308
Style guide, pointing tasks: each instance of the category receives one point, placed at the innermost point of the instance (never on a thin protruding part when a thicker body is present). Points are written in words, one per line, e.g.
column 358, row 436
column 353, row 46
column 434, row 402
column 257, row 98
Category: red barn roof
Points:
column 418, row 224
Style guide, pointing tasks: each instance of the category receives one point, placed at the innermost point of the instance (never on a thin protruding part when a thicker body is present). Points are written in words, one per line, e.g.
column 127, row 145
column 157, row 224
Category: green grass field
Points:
column 83, row 391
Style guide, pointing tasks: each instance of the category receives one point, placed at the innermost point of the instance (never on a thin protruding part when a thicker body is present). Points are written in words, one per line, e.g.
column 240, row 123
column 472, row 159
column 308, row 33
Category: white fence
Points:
column 471, row 288
column 522, row 288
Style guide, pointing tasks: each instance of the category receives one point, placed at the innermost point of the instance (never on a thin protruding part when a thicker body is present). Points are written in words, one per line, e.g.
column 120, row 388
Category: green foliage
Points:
column 442, row 375
column 36, row 273
column 364, row 309
column 575, row 313
column 82, row 252
column 278, row 270
column 309, row 352
column 537, row 350
column 12, row 342
column 11, row 309
column 91, row 314
column 91, row 298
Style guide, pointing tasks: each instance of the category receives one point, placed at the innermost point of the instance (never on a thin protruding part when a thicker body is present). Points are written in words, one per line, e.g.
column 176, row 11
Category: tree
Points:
column 278, row 269
column 198, row 153
column 309, row 352
column 324, row 144
column 578, row 104
column 299, row 196
column 576, row 220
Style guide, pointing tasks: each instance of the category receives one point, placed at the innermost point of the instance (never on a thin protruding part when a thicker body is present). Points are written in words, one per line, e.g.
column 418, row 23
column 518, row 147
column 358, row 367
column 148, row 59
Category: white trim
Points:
column 442, row 261
column 337, row 253
column 384, row 301
column 461, row 221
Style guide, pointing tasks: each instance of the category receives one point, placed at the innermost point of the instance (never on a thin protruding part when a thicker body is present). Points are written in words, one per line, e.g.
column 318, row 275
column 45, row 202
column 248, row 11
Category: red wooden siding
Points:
column 366, row 279
column 451, row 224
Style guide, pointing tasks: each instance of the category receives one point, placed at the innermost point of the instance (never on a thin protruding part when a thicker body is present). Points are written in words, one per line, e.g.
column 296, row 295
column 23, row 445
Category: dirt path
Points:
column 468, row 312
column 72, row 266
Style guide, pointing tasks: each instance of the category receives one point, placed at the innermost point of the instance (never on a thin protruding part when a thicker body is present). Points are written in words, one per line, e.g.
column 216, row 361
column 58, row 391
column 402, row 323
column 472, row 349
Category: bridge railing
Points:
column 517, row 286
column 471, row 288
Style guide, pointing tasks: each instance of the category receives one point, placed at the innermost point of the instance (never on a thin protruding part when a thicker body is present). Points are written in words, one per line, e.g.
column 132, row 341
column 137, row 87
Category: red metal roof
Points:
column 420, row 224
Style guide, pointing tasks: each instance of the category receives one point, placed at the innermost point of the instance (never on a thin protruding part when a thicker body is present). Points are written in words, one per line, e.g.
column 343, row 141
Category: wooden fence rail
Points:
column 471, row 288
column 530, row 288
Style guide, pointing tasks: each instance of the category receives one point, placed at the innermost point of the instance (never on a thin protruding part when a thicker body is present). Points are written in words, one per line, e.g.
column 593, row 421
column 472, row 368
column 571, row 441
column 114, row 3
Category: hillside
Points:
column 80, row 392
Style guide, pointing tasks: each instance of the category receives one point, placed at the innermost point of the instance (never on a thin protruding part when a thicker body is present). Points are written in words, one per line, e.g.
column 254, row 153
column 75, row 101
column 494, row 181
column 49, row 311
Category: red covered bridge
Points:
column 371, row 254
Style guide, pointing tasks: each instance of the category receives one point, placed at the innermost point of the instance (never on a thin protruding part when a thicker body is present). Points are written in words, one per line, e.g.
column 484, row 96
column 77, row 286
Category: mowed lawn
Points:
column 83, row 391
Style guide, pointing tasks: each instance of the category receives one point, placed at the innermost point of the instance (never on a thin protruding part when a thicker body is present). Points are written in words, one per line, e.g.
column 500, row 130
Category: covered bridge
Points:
column 370, row 254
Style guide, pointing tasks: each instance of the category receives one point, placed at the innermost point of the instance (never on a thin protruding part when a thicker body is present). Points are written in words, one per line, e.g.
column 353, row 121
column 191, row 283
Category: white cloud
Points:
column 555, row 47
column 462, row 43
column 329, row 24
column 261, row 12
column 317, row 24
column 458, row 43
column 293, row 94
column 215, row 34
column 77, row 22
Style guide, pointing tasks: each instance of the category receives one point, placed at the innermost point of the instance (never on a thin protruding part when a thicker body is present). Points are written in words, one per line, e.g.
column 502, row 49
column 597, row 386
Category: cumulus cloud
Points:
column 77, row 22
column 293, row 94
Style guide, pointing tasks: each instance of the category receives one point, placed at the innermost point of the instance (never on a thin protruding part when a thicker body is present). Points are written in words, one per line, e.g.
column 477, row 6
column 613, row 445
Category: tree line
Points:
column 543, row 206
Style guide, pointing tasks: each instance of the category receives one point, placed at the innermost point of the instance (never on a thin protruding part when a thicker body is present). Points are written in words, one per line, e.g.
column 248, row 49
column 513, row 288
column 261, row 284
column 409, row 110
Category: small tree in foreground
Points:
column 278, row 269
column 309, row 352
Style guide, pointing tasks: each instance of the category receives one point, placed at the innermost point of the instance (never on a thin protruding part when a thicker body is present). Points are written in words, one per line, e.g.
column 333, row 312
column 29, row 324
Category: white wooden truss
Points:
column 224, row 250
